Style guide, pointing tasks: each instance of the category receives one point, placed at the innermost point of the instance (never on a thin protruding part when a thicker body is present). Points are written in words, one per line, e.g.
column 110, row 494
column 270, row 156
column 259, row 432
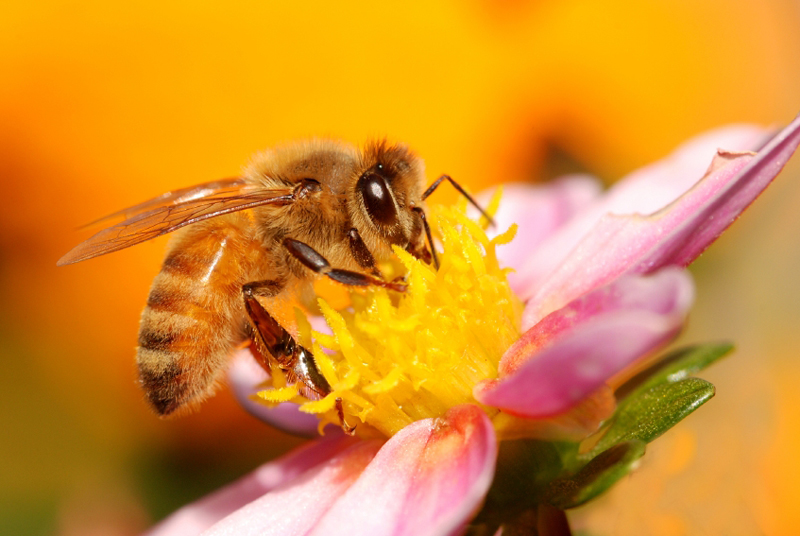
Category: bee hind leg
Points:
column 272, row 339
column 269, row 336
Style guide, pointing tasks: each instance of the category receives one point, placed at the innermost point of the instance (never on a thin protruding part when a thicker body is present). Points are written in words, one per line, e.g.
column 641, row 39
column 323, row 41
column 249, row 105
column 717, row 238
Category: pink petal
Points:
column 192, row 519
column 643, row 191
column 429, row 479
column 538, row 210
column 676, row 235
column 660, row 294
column 244, row 376
column 296, row 506
column 575, row 350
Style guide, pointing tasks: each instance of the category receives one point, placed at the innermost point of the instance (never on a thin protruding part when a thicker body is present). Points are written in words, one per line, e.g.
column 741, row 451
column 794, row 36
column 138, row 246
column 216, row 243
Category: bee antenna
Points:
column 462, row 191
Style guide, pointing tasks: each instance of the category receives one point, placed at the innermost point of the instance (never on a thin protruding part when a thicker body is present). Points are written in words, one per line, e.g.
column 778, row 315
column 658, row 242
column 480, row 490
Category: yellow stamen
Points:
column 281, row 394
column 397, row 358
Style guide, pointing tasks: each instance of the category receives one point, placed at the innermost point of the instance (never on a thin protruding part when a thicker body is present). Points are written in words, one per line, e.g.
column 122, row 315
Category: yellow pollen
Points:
column 396, row 358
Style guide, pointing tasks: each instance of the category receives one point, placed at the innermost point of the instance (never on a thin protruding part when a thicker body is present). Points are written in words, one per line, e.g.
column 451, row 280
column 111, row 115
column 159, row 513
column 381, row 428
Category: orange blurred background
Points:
column 103, row 105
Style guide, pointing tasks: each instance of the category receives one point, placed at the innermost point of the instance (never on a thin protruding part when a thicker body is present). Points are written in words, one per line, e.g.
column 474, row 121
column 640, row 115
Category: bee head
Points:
column 388, row 189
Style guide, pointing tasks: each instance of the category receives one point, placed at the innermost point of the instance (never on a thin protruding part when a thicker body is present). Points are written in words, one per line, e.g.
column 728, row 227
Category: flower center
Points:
column 397, row 358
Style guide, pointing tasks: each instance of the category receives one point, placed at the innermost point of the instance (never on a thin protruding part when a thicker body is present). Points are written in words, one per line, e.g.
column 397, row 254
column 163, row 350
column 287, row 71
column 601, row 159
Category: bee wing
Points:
column 171, row 215
column 176, row 197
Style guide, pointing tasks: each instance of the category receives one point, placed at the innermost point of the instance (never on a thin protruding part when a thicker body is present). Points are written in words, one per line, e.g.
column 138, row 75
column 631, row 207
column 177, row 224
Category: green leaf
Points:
column 533, row 472
column 596, row 476
column 647, row 415
column 674, row 367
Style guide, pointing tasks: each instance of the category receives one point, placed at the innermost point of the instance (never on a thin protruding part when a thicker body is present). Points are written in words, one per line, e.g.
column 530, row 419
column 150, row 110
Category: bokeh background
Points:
column 104, row 104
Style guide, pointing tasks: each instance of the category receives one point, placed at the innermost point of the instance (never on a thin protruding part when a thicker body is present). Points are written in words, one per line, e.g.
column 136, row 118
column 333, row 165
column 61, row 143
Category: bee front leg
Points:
column 361, row 253
column 271, row 338
column 316, row 262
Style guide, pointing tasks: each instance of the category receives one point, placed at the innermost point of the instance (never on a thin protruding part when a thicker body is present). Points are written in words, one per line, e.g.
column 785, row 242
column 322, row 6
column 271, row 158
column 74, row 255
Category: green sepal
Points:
column 647, row 415
column 673, row 367
column 596, row 476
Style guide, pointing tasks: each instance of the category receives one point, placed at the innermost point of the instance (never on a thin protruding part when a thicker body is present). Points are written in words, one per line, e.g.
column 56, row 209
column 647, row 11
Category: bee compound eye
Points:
column 311, row 185
column 378, row 199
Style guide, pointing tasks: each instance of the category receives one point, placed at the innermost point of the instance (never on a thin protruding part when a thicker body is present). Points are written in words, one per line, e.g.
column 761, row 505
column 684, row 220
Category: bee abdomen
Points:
column 192, row 321
column 179, row 355
column 161, row 382
column 156, row 341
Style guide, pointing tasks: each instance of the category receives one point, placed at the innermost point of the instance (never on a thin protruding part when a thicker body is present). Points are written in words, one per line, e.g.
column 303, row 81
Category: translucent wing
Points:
column 176, row 197
column 172, row 211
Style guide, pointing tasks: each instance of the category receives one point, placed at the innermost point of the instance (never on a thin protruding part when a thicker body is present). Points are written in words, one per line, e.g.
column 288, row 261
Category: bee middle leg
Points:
column 273, row 339
column 316, row 262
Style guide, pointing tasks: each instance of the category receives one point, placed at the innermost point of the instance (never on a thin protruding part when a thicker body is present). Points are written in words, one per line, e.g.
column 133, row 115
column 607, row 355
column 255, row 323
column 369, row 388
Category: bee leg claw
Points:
column 349, row 430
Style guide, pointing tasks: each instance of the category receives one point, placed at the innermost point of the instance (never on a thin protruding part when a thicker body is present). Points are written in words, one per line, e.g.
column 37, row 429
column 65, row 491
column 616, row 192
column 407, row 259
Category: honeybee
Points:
column 299, row 212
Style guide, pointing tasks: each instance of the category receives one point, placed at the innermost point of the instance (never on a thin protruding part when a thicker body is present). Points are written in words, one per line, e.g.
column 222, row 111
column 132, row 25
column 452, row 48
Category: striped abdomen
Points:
column 194, row 314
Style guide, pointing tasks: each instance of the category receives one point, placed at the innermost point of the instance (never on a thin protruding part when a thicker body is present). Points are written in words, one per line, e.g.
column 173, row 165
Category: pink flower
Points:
column 603, row 280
